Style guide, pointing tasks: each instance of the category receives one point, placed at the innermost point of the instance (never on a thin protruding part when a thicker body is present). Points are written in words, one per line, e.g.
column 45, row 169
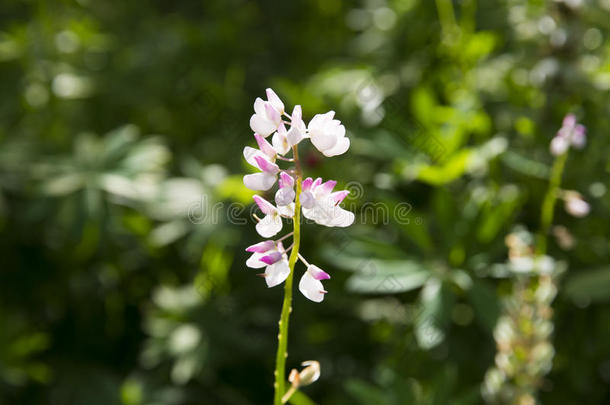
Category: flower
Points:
column 260, row 181
column 267, row 114
column 285, row 194
column 311, row 286
column 318, row 201
column 328, row 135
column 321, row 205
column 271, row 224
column 272, row 256
column 575, row 205
column 570, row 133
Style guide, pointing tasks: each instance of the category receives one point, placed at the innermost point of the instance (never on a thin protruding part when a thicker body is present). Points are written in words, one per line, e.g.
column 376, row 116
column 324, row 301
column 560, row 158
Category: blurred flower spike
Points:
column 570, row 134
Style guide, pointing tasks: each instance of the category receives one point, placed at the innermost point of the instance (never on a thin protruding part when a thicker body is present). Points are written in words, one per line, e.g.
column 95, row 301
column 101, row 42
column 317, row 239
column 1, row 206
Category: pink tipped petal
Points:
column 297, row 113
column 271, row 258
column 266, row 165
column 273, row 115
column 261, row 247
column 275, row 100
column 269, row 226
column 276, row 273
column 265, row 206
column 569, row 121
column 306, row 185
column 316, row 183
column 317, row 273
column 311, row 288
column 325, row 188
column 286, row 180
column 259, row 181
column 339, row 196
column 264, row 146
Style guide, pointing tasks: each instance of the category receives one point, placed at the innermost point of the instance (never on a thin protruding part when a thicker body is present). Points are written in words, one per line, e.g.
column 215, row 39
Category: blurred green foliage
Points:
column 121, row 129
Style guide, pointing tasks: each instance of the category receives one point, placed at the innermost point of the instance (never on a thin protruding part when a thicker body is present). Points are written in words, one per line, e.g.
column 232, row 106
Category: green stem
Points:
column 548, row 205
column 446, row 17
column 280, row 358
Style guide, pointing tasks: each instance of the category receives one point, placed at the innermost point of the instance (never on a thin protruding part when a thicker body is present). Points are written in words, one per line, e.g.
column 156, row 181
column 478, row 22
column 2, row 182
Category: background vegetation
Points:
column 121, row 118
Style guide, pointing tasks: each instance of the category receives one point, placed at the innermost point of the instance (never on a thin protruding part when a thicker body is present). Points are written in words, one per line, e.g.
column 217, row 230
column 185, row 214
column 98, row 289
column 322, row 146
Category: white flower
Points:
column 272, row 256
column 575, row 205
column 271, row 223
column 328, row 135
column 264, row 180
column 267, row 114
column 311, row 286
column 321, row 205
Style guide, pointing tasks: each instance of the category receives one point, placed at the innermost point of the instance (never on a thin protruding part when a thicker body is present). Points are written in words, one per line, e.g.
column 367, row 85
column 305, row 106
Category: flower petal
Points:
column 265, row 146
column 276, row 273
column 311, row 288
column 254, row 261
column 287, row 211
column 325, row 189
column 259, row 181
column 317, row 272
column 261, row 247
column 340, row 147
column 271, row 258
column 286, row 180
column 275, row 100
column 306, row 185
column 307, row 200
column 339, row 196
column 266, row 165
column 261, row 125
column 269, row 226
column 294, row 136
column 284, row 196
column 280, row 143
column 265, row 206
column 559, row 145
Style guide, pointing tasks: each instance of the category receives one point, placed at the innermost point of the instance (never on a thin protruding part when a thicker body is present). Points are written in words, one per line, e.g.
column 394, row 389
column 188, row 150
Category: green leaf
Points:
column 386, row 276
column 485, row 303
column 592, row 286
column 433, row 319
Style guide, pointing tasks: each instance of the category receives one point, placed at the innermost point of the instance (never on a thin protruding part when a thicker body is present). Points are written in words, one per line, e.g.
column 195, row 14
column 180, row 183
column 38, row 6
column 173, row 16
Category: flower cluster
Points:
column 317, row 198
column 570, row 134
column 523, row 333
